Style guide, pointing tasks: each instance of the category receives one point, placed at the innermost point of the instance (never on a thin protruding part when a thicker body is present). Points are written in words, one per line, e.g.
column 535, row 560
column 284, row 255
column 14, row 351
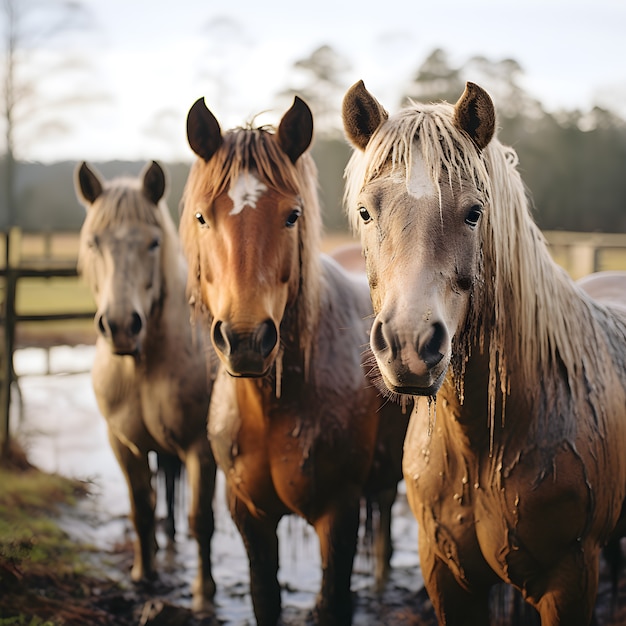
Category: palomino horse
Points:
column 149, row 373
column 294, row 423
column 516, row 464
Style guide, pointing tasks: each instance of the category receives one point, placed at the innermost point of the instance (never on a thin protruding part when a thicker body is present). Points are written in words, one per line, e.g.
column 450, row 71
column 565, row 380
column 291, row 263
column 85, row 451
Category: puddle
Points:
column 63, row 432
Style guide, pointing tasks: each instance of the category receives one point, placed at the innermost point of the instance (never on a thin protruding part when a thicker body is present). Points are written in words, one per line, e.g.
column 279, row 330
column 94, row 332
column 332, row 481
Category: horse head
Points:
column 120, row 252
column 242, row 226
column 419, row 210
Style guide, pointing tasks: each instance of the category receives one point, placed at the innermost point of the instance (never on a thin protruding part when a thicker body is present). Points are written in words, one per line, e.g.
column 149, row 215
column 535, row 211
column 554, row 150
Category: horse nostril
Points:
column 136, row 324
column 431, row 348
column 106, row 326
column 267, row 337
column 380, row 341
column 220, row 338
column 100, row 324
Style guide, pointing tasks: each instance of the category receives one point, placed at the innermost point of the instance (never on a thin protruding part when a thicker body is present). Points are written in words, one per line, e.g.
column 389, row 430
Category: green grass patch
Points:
column 29, row 535
column 44, row 579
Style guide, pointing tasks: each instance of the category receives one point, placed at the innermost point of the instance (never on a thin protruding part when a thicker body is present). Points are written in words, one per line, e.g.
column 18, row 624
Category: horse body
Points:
column 150, row 371
column 294, row 423
column 350, row 257
column 515, row 467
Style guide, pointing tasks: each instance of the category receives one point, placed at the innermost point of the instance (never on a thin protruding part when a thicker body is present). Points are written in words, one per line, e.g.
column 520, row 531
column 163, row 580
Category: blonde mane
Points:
column 123, row 202
column 256, row 150
column 535, row 323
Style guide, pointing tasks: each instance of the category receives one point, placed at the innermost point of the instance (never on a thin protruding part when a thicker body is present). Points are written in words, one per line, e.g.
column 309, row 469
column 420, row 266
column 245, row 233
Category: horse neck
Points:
column 298, row 330
column 543, row 345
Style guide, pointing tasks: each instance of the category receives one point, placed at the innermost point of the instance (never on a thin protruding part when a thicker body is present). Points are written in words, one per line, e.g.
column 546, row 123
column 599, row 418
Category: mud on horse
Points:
column 514, row 461
column 294, row 423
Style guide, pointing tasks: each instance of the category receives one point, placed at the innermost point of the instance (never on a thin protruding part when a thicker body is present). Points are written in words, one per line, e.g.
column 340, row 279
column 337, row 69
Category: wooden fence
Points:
column 53, row 255
column 15, row 269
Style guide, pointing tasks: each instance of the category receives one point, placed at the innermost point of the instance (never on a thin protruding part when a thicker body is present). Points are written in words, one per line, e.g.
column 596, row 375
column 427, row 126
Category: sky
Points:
column 153, row 59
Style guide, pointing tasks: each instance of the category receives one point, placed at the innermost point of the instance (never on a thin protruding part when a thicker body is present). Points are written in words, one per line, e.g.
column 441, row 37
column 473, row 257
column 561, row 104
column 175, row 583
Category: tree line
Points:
column 571, row 161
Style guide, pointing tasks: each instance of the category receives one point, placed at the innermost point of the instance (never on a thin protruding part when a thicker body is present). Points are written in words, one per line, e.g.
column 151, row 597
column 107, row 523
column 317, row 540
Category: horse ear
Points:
column 153, row 182
column 362, row 114
column 295, row 130
column 203, row 130
column 475, row 114
column 88, row 184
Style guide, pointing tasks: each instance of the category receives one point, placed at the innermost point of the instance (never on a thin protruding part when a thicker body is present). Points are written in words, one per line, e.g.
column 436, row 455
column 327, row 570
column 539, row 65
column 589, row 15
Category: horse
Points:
column 514, row 460
column 295, row 424
column 151, row 371
column 349, row 256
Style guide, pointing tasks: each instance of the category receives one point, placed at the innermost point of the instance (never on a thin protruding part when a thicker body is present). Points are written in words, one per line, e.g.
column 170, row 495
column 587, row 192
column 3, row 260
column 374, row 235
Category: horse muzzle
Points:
column 124, row 334
column 246, row 354
column 413, row 363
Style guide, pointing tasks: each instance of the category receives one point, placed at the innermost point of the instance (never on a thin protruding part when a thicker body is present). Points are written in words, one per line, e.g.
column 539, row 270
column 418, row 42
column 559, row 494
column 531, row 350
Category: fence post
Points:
column 8, row 373
column 582, row 259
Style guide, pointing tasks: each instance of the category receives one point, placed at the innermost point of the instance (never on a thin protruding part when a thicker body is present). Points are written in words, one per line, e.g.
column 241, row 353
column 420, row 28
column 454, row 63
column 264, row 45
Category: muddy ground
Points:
column 59, row 424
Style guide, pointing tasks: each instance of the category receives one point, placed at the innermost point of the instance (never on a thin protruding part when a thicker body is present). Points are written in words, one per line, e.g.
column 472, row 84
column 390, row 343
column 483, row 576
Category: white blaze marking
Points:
column 420, row 184
column 245, row 192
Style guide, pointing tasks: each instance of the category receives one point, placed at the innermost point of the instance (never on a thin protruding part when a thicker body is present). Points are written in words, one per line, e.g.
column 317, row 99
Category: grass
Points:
column 43, row 577
column 29, row 537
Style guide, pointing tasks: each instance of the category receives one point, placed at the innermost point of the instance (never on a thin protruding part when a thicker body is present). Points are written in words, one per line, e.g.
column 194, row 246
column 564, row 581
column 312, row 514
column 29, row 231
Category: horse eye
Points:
column 200, row 218
column 473, row 216
column 94, row 242
column 154, row 244
column 365, row 215
column 293, row 218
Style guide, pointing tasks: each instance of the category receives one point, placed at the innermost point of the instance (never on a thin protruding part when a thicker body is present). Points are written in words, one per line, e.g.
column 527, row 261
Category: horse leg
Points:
column 337, row 532
column 261, row 543
column 138, row 475
column 383, row 546
column 169, row 465
column 572, row 601
column 454, row 604
column 201, row 472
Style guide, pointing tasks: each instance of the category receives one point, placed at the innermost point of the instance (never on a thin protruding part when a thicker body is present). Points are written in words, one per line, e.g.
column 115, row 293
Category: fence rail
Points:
column 11, row 273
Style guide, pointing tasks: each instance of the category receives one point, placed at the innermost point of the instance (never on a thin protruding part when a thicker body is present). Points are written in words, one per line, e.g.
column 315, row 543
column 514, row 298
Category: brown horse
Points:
column 516, row 465
column 294, row 422
column 150, row 371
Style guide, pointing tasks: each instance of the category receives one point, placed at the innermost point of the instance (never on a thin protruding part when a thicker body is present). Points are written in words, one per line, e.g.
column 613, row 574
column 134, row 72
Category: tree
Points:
column 227, row 45
column 318, row 80
column 571, row 161
column 501, row 79
column 34, row 56
column 40, row 79
column 435, row 80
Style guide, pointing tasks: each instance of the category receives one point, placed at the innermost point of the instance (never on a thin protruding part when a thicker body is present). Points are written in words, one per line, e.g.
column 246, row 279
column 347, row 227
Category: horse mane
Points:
column 525, row 311
column 123, row 202
column 249, row 149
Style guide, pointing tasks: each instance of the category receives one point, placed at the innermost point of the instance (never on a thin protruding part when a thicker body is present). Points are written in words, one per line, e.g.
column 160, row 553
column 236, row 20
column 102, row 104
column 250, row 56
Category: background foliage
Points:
column 572, row 162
